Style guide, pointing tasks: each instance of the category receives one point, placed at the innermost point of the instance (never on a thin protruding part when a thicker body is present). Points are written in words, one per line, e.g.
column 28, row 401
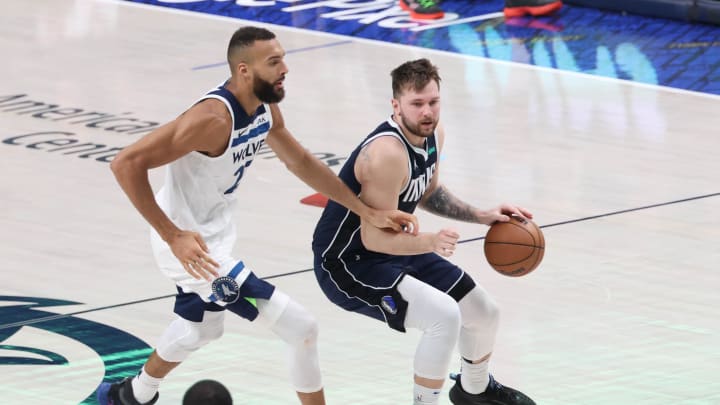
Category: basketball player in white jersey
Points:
column 402, row 280
column 207, row 150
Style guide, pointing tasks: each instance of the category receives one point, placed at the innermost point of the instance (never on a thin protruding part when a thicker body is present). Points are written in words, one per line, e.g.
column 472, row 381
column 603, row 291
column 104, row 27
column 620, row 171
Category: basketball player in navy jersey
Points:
column 207, row 150
column 403, row 280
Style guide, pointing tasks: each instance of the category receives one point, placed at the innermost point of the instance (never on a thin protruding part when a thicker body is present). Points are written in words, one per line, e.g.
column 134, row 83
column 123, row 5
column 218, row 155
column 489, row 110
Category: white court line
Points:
column 429, row 50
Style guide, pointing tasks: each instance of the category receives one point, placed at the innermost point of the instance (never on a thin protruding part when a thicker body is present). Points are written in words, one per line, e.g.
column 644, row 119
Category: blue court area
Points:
column 643, row 49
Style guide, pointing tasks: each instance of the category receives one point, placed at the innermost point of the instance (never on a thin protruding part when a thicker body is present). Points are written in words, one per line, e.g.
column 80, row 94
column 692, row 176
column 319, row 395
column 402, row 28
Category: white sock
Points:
column 145, row 386
column 475, row 377
column 425, row 396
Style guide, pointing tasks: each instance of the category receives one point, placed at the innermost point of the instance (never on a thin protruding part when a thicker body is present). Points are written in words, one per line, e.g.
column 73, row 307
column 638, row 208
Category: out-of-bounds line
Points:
column 59, row 316
column 48, row 318
column 307, row 48
column 614, row 213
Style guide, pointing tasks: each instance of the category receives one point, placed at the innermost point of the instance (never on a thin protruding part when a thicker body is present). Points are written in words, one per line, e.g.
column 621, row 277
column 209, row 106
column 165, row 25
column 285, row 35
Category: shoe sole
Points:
column 511, row 12
column 420, row 16
column 102, row 394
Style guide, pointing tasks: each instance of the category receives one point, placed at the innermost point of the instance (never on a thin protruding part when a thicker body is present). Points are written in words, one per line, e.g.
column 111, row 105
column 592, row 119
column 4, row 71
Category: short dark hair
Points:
column 207, row 392
column 246, row 36
column 416, row 73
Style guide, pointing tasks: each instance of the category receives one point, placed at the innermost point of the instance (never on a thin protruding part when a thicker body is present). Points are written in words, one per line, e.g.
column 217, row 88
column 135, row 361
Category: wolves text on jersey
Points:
column 248, row 146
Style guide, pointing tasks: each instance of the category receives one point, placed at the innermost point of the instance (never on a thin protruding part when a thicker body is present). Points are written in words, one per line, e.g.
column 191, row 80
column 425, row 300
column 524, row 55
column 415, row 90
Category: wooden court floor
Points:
column 624, row 178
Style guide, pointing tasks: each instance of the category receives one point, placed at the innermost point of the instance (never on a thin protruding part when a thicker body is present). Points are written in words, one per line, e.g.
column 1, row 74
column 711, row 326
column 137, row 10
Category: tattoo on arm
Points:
column 442, row 203
column 364, row 155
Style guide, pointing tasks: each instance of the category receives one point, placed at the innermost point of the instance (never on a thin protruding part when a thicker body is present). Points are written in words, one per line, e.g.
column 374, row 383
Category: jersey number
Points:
column 238, row 176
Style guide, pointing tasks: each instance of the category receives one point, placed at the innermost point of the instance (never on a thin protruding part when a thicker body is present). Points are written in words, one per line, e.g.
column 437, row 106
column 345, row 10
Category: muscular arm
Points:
column 202, row 128
column 199, row 129
column 317, row 175
column 382, row 169
column 443, row 203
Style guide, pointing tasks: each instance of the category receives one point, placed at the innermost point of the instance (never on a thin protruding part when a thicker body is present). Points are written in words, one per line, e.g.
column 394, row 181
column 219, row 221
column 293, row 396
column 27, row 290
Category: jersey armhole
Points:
column 396, row 136
column 232, row 123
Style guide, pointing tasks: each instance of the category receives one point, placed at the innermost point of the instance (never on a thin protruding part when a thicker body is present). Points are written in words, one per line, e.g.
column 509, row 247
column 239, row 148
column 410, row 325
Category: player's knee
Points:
column 430, row 310
column 310, row 331
column 306, row 331
column 191, row 341
column 199, row 334
column 452, row 316
column 489, row 310
column 447, row 313
column 207, row 335
column 492, row 310
column 479, row 310
column 296, row 326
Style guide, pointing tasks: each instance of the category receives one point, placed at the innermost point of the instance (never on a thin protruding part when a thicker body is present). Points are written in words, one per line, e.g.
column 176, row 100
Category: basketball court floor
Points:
column 624, row 178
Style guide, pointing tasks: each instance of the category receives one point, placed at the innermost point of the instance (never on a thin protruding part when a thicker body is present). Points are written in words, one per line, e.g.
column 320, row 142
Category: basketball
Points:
column 514, row 248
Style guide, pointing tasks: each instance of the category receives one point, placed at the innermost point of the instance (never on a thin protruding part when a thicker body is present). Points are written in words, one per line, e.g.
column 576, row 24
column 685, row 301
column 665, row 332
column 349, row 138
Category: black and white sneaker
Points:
column 120, row 393
column 495, row 394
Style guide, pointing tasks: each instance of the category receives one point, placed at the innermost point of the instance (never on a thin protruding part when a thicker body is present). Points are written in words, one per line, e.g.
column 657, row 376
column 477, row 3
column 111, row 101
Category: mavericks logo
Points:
column 388, row 304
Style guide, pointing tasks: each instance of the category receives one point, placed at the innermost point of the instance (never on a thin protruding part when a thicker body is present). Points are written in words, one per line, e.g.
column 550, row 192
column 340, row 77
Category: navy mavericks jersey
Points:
column 337, row 234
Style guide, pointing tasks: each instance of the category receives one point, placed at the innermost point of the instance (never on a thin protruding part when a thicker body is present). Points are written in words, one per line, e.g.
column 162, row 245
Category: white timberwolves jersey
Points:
column 199, row 191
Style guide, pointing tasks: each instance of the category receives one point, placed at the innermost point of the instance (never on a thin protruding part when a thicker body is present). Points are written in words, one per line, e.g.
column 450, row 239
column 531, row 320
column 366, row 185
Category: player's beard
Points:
column 416, row 130
column 266, row 92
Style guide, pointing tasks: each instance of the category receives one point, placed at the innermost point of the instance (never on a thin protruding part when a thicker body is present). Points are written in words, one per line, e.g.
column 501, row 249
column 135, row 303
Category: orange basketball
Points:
column 514, row 248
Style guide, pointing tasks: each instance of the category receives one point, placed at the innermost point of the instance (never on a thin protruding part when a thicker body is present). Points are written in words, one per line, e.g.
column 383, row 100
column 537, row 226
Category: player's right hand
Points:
column 445, row 242
column 395, row 220
column 504, row 211
column 191, row 250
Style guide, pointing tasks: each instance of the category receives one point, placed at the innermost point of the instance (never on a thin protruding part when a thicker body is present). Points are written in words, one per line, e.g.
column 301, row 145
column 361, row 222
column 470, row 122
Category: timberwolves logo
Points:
column 388, row 304
column 225, row 289
column 121, row 353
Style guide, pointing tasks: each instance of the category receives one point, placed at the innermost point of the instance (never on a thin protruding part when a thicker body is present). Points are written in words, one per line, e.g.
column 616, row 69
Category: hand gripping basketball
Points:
column 514, row 248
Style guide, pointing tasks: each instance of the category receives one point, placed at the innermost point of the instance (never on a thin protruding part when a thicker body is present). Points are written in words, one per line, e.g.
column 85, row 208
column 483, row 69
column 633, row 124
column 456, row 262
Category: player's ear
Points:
column 395, row 105
column 242, row 68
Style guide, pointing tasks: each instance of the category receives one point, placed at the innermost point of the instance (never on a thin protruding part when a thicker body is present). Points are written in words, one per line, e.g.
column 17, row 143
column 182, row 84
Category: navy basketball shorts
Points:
column 368, row 285
column 239, row 299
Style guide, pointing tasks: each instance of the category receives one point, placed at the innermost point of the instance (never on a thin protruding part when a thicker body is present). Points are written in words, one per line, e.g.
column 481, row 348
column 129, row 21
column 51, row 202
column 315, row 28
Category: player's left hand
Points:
column 504, row 211
column 396, row 220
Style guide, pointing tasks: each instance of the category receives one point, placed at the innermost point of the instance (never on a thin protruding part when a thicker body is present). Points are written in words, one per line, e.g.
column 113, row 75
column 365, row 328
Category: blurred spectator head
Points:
column 207, row 392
